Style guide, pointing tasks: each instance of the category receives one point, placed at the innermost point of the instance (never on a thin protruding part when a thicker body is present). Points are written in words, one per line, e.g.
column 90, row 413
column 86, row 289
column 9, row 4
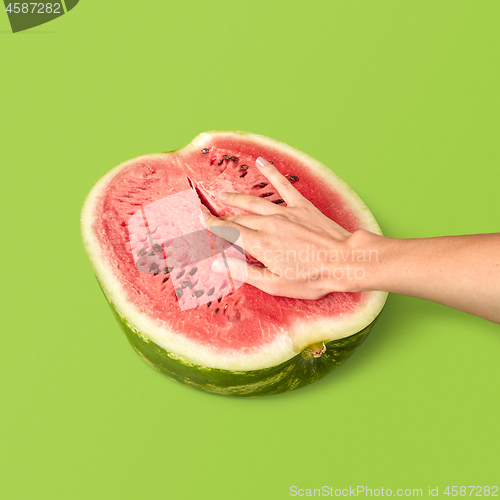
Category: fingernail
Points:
column 204, row 216
column 218, row 267
column 223, row 196
column 260, row 162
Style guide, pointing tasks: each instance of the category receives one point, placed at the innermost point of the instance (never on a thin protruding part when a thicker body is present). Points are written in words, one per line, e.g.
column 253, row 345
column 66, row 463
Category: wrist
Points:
column 370, row 256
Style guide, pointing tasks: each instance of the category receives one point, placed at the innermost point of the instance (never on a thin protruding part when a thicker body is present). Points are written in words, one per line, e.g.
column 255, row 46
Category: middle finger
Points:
column 254, row 204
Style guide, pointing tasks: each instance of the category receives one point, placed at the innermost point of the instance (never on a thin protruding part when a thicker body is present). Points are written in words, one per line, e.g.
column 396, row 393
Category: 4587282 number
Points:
column 471, row 491
column 34, row 8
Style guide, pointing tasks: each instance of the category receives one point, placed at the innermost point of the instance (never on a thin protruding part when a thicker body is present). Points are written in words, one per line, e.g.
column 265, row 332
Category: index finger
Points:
column 280, row 182
column 229, row 231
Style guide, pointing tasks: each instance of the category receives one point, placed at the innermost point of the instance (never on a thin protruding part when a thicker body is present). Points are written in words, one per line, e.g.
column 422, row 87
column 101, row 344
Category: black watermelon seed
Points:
column 198, row 293
column 225, row 157
column 178, row 292
column 243, row 174
column 293, row 178
column 186, row 284
column 166, row 279
column 153, row 267
column 157, row 247
column 193, row 271
column 244, row 167
column 220, row 163
column 142, row 252
column 152, row 253
column 179, row 275
column 234, row 158
column 157, row 272
column 216, row 311
column 219, row 299
column 265, row 195
column 208, row 304
column 167, row 270
column 271, row 162
column 205, row 151
column 263, row 184
column 211, row 291
column 279, row 201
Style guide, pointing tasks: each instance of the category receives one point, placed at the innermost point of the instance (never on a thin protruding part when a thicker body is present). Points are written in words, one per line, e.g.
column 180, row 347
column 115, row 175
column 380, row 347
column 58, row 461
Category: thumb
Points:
column 240, row 270
column 237, row 268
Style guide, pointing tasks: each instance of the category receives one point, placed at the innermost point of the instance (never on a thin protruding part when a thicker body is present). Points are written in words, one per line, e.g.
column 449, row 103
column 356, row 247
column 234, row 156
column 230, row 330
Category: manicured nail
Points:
column 260, row 162
column 223, row 196
column 218, row 266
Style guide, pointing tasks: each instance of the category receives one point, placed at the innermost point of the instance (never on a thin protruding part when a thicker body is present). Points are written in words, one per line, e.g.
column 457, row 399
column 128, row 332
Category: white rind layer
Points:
column 286, row 345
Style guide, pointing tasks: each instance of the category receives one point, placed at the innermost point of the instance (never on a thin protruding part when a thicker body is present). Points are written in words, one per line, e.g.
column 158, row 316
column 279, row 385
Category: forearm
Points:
column 462, row 272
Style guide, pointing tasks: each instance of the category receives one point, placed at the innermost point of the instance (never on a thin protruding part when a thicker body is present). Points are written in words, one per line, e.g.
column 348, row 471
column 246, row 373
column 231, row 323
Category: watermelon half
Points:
column 152, row 257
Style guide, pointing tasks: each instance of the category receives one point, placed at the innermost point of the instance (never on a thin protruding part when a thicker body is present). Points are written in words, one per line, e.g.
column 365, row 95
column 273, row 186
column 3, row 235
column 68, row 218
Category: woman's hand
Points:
column 306, row 255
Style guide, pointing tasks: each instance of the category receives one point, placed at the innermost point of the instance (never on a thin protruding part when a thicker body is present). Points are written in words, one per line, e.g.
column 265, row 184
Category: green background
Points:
column 400, row 98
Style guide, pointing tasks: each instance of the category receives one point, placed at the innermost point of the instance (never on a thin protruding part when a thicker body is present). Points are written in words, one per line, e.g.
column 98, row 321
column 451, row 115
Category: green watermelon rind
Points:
column 292, row 374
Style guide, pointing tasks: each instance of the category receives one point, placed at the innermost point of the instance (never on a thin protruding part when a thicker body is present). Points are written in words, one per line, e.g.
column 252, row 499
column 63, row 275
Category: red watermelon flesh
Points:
column 145, row 218
column 180, row 247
